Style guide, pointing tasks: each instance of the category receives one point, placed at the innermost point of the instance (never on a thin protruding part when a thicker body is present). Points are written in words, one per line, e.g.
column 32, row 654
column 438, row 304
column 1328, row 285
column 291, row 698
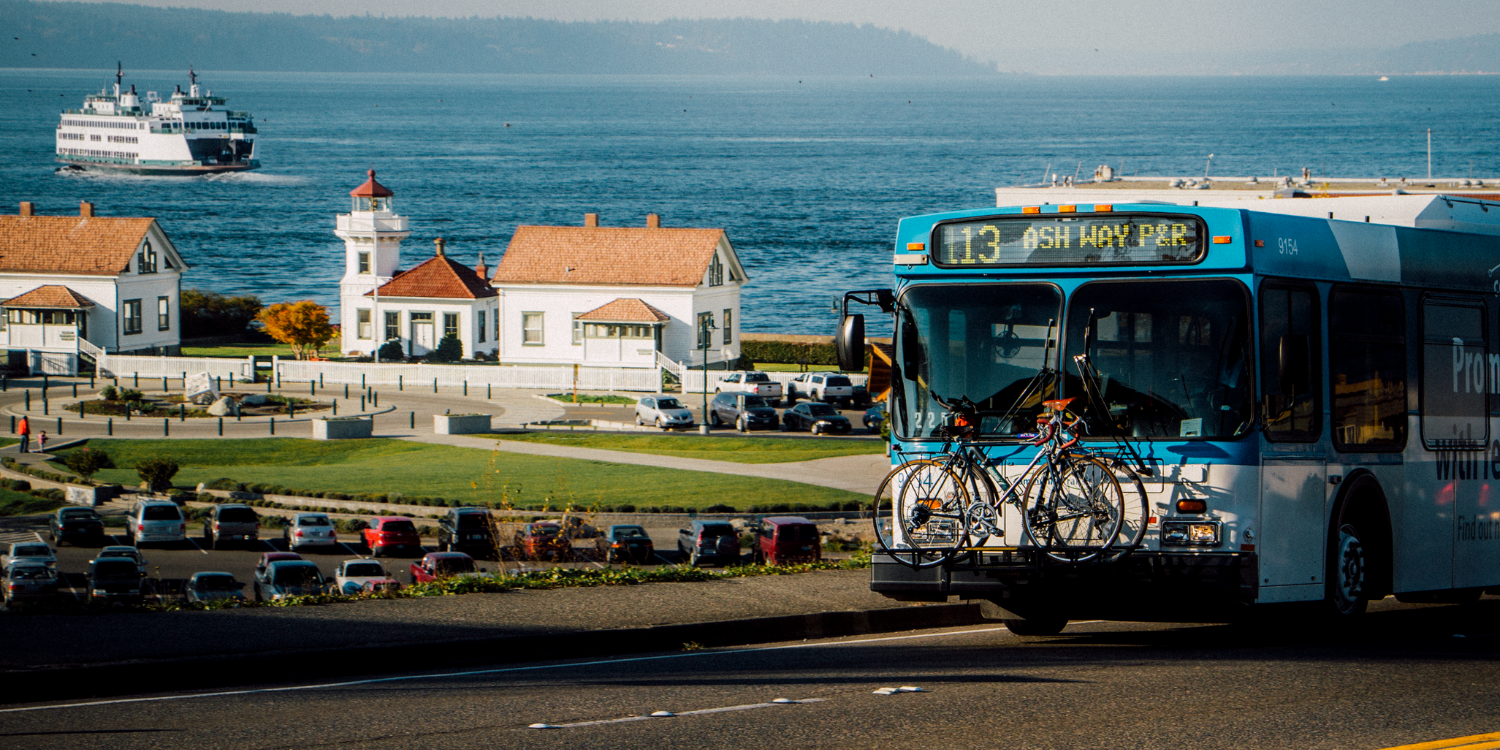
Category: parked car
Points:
column 628, row 543
column 861, row 395
column 28, row 582
column 37, row 552
column 155, row 521
column 380, row 586
column 309, row 530
column 744, row 411
column 663, row 411
column 827, row 387
column 350, row 577
column 230, row 523
column 874, row 416
column 465, row 528
column 780, row 540
column 214, row 586
column 753, row 383
column 435, row 565
column 543, row 540
column 387, row 533
column 272, row 557
column 75, row 524
column 284, row 578
column 818, row 417
column 114, row 579
column 121, row 551
column 708, row 542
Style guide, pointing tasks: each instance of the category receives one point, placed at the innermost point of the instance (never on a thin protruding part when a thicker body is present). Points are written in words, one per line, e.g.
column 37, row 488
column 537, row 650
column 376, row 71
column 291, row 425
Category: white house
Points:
column 617, row 296
column 73, row 284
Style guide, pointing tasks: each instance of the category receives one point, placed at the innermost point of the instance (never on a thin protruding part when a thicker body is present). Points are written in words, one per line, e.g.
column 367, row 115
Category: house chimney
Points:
column 482, row 269
column 439, row 242
column 653, row 221
column 591, row 220
column 28, row 208
column 86, row 210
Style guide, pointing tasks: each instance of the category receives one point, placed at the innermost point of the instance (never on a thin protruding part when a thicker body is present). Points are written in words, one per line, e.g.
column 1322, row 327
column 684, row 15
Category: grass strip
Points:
column 738, row 450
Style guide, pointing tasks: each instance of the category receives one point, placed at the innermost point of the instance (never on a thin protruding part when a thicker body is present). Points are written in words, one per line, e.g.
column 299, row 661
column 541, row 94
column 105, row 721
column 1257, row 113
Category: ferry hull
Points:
column 152, row 169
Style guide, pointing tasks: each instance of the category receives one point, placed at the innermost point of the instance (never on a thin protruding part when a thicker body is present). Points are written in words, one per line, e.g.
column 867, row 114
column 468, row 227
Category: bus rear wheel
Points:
column 1348, row 574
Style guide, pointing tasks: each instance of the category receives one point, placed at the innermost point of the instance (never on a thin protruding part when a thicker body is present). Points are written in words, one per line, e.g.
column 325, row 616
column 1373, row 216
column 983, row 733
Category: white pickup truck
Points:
column 757, row 383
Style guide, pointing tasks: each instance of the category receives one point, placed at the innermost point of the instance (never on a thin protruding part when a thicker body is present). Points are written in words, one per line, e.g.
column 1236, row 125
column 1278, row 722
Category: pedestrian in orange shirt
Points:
column 24, row 430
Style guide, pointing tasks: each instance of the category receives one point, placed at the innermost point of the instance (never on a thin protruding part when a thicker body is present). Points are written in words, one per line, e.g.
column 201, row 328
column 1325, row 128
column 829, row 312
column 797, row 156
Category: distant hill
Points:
column 89, row 35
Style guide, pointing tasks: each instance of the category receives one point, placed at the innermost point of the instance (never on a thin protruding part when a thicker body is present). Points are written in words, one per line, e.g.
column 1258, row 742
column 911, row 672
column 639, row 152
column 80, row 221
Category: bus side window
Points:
column 1455, row 374
column 1367, row 368
column 1289, row 317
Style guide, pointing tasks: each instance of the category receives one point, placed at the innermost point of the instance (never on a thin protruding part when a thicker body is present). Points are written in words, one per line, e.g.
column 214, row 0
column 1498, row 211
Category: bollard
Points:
column 466, row 387
column 75, row 390
column 434, row 385
column 44, row 383
column 166, row 427
column 312, row 387
column 361, row 403
column 335, row 407
column 376, row 395
column 400, row 382
column 361, row 380
column 182, row 412
column 268, row 385
column 59, row 425
column 414, row 420
column 91, row 380
column 44, row 406
column 273, row 425
column 488, row 390
column 80, row 410
column 5, row 382
column 28, row 399
column 218, row 384
column 320, row 380
column 221, row 427
column 137, row 380
column 346, row 390
column 110, row 426
column 127, row 413
column 164, row 384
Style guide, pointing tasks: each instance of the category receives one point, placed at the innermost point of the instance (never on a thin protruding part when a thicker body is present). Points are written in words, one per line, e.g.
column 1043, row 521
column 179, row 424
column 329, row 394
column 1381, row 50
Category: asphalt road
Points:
column 1411, row 674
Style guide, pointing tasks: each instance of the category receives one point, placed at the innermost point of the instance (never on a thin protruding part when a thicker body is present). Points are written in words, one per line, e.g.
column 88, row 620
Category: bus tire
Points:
column 1348, row 573
column 1036, row 626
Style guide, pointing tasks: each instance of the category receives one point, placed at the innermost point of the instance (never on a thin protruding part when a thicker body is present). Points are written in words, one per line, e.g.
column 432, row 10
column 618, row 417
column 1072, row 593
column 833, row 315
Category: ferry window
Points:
column 1367, row 368
column 987, row 343
column 1173, row 358
column 132, row 321
column 1289, row 318
column 362, row 329
column 1454, row 374
column 163, row 314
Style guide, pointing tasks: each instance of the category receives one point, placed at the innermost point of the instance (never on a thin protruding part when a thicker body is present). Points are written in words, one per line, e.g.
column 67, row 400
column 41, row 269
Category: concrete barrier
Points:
column 343, row 428
column 461, row 424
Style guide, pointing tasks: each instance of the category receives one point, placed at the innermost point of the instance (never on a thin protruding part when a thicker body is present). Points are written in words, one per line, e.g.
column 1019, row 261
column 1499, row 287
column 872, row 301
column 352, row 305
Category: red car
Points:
column 780, row 540
column 543, row 540
column 437, row 565
column 267, row 559
column 388, row 533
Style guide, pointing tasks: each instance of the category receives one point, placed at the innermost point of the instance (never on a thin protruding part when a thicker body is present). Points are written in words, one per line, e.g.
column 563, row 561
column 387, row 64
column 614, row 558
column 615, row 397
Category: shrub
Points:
column 213, row 314
column 450, row 349
column 110, row 393
column 221, row 484
column 157, row 473
column 391, row 351
column 719, row 509
column 19, row 485
column 626, row 508
column 86, row 462
column 789, row 353
column 130, row 394
column 204, row 497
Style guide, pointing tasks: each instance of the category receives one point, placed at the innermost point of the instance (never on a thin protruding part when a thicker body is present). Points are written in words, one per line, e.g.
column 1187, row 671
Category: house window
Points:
column 364, row 263
column 716, row 272
column 578, row 327
column 481, row 326
column 729, row 326
column 362, row 330
column 146, row 263
column 392, row 326
column 450, row 325
column 497, row 326
column 531, row 329
column 163, row 314
column 132, row 316
column 705, row 329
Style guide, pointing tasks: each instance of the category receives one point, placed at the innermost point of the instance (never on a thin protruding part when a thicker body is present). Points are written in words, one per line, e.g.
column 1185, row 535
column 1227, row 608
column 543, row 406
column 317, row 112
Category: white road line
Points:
column 699, row 712
column 195, row 546
column 501, row 670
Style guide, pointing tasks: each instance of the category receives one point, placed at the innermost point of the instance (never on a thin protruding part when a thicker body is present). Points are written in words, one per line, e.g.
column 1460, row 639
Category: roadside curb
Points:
column 147, row 676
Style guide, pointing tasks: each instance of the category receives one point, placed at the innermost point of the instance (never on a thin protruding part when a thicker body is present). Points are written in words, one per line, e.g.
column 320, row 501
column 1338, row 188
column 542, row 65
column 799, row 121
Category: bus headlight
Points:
column 1190, row 533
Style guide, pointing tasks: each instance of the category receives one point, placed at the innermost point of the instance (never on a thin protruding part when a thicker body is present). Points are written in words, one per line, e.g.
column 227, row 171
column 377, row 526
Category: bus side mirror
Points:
column 1293, row 365
column 849, row 344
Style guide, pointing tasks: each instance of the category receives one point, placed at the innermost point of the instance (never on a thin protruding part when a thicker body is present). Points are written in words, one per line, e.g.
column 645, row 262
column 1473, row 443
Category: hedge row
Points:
column 786, row 352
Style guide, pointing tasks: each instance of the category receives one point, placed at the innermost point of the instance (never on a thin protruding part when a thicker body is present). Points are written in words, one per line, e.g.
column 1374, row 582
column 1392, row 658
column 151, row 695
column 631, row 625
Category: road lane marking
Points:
column 500, row 670
column 675, row 714
column 195, row 546
column 1472, row 742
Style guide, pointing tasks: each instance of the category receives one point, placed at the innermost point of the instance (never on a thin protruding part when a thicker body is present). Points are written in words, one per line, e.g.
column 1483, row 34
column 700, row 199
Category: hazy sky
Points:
column 1003, row 30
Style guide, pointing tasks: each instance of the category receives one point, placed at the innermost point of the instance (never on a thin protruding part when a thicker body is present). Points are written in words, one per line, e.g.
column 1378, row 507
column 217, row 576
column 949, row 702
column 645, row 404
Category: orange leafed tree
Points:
column 304, row 325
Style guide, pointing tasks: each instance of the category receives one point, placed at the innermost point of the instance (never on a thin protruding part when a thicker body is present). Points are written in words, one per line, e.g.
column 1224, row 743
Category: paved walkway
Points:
column 407, row 415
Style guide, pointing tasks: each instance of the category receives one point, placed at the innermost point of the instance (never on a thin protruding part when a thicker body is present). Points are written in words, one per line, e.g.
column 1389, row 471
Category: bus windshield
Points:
column 1173, row 358
column 983, row 342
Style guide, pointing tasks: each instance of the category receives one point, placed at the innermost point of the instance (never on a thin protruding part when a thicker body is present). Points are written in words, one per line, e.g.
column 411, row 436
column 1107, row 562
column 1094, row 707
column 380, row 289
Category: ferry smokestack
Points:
column 86, row 210
column 591, row 220
column 653, row 221
column 28, row 208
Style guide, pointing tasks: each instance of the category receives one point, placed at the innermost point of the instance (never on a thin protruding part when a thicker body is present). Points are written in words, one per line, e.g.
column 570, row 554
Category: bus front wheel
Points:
column 1348, row 577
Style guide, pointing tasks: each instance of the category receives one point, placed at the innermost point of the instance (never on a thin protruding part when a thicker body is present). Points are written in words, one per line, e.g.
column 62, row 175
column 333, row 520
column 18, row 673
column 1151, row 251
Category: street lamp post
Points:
column 705, row 335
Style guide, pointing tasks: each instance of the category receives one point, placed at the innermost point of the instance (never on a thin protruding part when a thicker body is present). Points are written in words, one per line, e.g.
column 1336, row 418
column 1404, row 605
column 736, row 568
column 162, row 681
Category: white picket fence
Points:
column 128, row 366
column 645, row 380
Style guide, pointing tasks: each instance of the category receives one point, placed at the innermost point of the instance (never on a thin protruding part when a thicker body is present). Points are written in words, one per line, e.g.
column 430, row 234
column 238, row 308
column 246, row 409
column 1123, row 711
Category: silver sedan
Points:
column 663, row 411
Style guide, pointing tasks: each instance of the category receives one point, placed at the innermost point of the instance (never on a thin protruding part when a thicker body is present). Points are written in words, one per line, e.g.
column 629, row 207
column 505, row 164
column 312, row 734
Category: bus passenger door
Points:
column 1290, row 534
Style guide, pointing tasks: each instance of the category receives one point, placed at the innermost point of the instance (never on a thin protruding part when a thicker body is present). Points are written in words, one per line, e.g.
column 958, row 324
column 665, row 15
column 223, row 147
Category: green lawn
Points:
column 737, row 449
column 242, row 350
column 413, row 469
column 14, row 503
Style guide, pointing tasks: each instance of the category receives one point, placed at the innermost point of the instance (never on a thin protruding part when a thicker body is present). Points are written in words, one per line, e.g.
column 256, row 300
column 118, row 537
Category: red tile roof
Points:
column 93, row 246
column 50, row 296
column 608, row 256
column 625, row 311
column 371, row 189
column 439, row 277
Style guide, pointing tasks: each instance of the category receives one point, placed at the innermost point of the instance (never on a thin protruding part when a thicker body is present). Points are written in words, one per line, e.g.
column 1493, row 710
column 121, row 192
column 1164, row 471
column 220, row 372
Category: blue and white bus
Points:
column 1313, row 395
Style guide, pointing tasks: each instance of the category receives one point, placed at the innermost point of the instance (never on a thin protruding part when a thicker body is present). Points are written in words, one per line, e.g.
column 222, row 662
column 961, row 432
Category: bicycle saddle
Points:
column 1059, row 404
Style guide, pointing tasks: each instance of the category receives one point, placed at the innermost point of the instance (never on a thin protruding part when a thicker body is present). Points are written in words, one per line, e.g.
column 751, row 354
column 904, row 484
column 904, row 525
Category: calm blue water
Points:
column 808, row 177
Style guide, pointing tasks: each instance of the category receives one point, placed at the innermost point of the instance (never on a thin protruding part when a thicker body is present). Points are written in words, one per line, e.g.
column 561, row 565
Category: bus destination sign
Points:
column 1070, row 240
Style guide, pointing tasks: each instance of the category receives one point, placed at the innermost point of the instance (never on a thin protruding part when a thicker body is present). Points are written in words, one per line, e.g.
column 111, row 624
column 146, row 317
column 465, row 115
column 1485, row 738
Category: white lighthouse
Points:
column 372, row 235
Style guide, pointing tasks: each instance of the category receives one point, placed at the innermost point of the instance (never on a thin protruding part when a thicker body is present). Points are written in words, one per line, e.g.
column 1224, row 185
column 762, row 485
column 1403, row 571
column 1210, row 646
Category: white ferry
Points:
column 186, row 135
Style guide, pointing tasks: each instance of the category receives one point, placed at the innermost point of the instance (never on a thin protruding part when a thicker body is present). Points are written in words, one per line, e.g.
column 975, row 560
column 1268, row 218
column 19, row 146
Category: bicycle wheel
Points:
column 1077, row 511
column 1136, row 515
column 919, row 513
